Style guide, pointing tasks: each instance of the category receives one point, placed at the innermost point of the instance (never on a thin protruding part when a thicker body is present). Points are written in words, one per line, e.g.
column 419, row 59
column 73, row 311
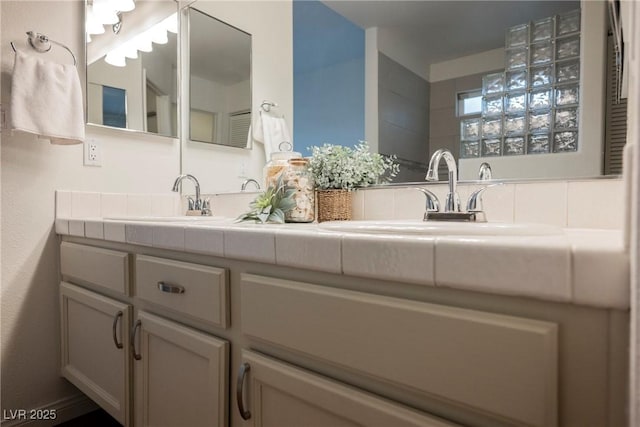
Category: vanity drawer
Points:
column 102, row 267
column 502, row 366
column 195, row 290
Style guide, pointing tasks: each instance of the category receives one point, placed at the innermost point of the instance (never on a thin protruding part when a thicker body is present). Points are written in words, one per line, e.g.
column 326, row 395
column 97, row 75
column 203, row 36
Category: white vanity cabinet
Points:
column 121, row 343
column 214, row 341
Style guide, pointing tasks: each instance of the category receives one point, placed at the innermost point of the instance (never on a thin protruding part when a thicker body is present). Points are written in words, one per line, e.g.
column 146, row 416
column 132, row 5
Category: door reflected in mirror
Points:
column 219, row 81
column 132, row 68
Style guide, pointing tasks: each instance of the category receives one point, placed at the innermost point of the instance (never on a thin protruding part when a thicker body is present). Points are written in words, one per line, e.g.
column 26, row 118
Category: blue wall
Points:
column 328, row 77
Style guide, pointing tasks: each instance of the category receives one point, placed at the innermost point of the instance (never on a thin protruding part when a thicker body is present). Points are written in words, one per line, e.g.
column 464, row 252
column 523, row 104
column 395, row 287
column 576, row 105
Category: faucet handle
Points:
column 474, row 203
column 191, row 204
column 433, row 204
column 206, row 207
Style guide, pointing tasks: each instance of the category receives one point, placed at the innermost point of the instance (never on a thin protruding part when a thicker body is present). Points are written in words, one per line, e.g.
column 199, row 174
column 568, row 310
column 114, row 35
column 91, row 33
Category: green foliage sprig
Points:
column 340, row 167
column 271, row 205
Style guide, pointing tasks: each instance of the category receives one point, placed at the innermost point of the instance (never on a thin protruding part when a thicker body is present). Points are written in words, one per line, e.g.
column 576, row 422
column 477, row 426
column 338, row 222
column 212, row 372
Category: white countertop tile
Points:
column 538, row 267
column 139, row 234
column 587, row 267
column 389, row 257
column 94, row 229
column 203, row 239
column 251, row 242
column 321, row 251
column 168, row 236
column 76, row 227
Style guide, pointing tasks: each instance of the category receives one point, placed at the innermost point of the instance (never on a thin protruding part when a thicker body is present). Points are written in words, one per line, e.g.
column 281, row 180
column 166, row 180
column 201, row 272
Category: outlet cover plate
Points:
column 92, row 152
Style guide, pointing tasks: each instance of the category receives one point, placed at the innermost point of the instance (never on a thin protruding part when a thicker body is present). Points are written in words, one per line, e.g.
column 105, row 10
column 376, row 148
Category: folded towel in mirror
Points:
column 46, row 100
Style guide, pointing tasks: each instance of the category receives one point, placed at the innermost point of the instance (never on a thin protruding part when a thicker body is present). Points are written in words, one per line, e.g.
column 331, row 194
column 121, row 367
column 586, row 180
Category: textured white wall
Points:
column 31, row 170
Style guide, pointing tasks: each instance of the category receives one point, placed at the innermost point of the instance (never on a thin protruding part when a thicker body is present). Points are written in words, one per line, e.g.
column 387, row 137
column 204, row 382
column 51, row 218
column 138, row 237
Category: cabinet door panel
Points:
column 181, row 378
column 283, row 395
column 418, row 346
column 91, row 359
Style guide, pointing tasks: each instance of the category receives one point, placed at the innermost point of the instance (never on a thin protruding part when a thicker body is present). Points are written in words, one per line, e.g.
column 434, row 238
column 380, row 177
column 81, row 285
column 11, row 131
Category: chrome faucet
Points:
column 484, row 173
column 452, row 203
column 249, row 181
column 194, row 205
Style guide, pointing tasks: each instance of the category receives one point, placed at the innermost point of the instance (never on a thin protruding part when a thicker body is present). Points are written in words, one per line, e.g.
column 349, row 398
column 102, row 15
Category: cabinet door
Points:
column 181, row 375
column 282, row 395
column 95, row 348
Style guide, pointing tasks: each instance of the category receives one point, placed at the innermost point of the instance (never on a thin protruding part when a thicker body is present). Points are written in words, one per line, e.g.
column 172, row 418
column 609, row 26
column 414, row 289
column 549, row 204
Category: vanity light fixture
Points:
column 106, row 12
column 143, row 42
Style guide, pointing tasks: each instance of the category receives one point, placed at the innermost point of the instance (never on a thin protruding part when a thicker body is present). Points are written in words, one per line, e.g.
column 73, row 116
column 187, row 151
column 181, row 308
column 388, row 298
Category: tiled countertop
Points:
column 581, row 266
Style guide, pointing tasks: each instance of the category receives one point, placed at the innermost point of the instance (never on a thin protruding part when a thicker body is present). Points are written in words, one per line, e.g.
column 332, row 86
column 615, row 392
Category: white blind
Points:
column 239, row 128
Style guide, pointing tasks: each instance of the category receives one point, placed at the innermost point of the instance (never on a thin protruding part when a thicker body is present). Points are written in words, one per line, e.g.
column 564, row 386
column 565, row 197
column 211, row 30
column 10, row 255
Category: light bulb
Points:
column 93, row 25
column 123, row 5
column 105, row 12
column 158, row 34
column 171, row 23
column 129, row 50
column 115, row 58
column 142, row 42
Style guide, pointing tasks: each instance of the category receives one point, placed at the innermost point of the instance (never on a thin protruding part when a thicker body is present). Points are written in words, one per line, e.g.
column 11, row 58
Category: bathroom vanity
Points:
column 214, row 323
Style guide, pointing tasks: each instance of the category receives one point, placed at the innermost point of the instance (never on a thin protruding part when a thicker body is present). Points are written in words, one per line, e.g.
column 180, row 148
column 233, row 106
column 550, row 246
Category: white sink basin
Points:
column 169, row 218
column 439, row 228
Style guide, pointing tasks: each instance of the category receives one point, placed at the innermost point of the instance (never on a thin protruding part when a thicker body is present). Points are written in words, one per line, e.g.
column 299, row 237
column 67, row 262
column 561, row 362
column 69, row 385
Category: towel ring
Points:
column 41, row 43
column 266, row 105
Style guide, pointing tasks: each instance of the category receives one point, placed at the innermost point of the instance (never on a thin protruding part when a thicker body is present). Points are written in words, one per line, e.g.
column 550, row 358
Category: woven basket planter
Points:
column 334, row 205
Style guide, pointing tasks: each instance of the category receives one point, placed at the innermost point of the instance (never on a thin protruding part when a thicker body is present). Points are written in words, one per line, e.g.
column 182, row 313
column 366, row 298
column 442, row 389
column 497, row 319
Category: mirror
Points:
column 219, row 81
column 459, row 23
column 421, row 58
column 132, row 70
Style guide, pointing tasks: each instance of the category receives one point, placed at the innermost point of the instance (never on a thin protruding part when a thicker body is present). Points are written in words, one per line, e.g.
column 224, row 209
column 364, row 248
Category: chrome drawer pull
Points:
column 118, row 316
column 244, row 369
column 171, row 289
column 134, row 330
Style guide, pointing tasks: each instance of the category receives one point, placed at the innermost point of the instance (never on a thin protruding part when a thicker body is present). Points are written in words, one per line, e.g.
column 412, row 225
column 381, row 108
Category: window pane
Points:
column 114, row 111
column 469, row 102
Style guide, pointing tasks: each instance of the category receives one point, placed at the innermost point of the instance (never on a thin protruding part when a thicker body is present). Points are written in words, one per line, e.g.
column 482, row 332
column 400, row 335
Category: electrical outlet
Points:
column 92, row 152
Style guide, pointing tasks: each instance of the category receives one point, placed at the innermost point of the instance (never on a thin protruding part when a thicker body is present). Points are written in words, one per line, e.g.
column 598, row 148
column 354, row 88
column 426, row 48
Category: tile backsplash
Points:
column 595, row 203
column 82, row 204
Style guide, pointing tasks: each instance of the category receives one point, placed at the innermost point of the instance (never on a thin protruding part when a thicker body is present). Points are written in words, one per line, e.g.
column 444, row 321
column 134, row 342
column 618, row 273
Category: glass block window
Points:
column 533, row 106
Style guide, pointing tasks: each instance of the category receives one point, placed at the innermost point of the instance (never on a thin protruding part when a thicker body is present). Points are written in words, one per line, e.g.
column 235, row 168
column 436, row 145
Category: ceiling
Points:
column 449, row 29
column 219, row 52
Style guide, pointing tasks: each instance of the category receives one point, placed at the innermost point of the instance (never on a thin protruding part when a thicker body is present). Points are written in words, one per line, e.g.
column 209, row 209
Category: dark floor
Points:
column 98, row 418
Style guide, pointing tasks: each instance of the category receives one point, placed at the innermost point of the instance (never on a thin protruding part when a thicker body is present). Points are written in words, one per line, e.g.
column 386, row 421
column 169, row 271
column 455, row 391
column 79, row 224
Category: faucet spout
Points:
column 452, row 203
column 176, row 184
column 249, row 181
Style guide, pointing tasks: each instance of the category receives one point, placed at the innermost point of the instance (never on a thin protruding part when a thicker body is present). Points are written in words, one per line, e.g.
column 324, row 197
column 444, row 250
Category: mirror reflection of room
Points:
column 219, row 81
column 416, row 90
column 132, row 67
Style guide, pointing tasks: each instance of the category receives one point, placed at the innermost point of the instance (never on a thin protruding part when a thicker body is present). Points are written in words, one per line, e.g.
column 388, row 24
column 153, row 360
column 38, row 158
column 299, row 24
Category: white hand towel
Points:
column 270, row 131
column 46, row 99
